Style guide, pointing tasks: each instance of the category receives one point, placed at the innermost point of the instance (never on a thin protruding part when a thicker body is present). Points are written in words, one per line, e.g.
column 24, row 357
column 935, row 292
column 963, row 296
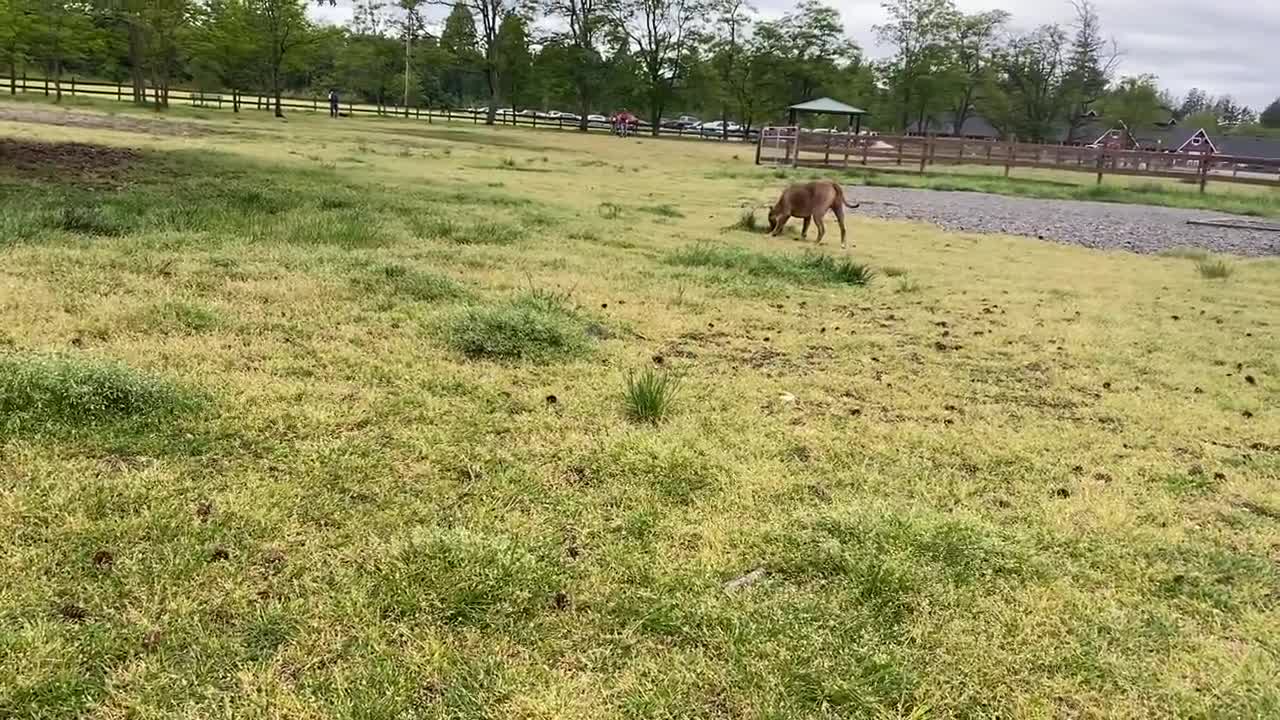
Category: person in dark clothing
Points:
column 333, row 103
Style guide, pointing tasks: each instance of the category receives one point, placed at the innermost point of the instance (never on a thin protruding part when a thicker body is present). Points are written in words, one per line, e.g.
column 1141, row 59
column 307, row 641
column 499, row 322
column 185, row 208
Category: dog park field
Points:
column 376, row 418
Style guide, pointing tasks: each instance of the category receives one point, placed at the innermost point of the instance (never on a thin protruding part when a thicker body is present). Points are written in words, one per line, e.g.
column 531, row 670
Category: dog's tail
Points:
column 851, row 206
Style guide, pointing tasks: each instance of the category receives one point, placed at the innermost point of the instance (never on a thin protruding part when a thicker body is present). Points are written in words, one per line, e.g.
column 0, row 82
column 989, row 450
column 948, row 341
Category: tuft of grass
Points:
column 413, row 284
column 650, row 395
column 1186, row 253
column 893, row 271
column 1214, row 269
column 530, row 327
column 609, row 211
column 907, row 285
column 508, row 162
column 483, row 232
column 181, row 317
column 664, row 210
column 89, row 220
column 39, row 390
column 747, row 221
column 842, row 271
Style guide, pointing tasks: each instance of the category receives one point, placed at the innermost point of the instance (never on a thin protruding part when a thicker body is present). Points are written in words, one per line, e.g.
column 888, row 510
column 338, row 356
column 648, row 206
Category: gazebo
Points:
column 827, row 106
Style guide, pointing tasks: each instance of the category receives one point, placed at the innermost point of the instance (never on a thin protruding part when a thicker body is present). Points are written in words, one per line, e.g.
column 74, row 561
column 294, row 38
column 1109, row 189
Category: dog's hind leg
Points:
column 840, row 219
column 822, row 229
column 804, row 231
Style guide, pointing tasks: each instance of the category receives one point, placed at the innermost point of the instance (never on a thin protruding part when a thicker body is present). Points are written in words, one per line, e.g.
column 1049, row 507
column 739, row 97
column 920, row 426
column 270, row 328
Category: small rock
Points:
column 747, row 580
column 787, row 398
column 1249, row 379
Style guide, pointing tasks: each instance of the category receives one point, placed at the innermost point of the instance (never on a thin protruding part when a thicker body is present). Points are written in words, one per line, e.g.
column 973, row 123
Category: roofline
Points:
column 1212, row 148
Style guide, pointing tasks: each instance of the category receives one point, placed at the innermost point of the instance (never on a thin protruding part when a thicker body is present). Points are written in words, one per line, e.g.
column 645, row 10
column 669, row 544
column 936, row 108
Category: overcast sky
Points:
column 1226, row 47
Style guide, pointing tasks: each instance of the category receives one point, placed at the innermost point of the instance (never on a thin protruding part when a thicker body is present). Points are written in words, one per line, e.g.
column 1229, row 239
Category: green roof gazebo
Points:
column 827, row 106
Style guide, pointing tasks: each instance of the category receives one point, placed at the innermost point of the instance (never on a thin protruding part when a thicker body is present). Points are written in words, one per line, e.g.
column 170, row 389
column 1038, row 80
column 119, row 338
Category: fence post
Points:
column 1205, row 162
column 1102, row 163
column 759, row 143
column 826, row 156
column 902, row 140
column 46, row 87
column 1011, row 155
column 119, row 92
column 866, row 145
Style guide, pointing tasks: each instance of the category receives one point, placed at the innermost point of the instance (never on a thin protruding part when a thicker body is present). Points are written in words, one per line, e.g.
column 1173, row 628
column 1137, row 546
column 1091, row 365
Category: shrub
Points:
column 747, row 221
column 650, row 395
column 530, row 327
column 70, row 391
column 907, row 285
column 1214, row 269
column 843, row 271
column 413, row 284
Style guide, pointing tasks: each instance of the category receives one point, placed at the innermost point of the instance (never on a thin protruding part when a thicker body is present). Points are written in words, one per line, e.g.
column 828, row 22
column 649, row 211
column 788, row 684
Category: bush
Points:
column 1214, row 269
column 650, row 395
column 68, row 391
column 531, row 327
column 413, row 284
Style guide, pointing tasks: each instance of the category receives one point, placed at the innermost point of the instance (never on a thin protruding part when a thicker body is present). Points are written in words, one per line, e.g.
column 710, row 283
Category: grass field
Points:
column 379, row 419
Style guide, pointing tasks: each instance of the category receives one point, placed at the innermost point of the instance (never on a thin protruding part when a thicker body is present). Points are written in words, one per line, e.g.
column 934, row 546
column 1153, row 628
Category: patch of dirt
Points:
column 66, row 161
column 67, row 118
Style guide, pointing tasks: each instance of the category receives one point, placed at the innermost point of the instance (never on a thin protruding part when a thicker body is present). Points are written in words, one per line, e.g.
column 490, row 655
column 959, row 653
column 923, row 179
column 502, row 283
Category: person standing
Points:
column 333, row 103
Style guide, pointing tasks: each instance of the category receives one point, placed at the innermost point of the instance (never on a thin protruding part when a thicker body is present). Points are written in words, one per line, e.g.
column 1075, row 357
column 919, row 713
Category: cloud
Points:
column 1223, row 48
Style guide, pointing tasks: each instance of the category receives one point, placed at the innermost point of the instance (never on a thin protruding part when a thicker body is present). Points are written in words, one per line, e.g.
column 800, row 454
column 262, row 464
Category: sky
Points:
column 1224, row 47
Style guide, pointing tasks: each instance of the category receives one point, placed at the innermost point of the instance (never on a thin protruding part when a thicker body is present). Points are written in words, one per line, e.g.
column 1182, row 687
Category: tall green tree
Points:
column 584, row 22
column 16, row 35
column 280, row 28
column 1134, row 101
column 514, row 61
column 461, row 50
column 224, row 52
column 974, row 45
column 488, row 16
column 731, row 55
column 62, row 32
column 1091, row 63
column 1026, row 97
column 804, row 54
column 922, row 32
column 662, row 33
column 1270, row 118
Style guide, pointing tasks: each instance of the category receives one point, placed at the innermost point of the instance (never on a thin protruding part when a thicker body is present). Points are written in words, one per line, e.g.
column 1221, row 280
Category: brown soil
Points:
column 66, row 161
column 108, row 122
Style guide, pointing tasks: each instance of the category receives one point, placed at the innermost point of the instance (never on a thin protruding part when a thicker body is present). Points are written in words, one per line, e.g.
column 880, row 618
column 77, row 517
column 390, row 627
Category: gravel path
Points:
column 1136, row 228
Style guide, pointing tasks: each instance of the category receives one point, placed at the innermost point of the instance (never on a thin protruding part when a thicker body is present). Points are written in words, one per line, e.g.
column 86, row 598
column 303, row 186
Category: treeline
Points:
column 658, row 58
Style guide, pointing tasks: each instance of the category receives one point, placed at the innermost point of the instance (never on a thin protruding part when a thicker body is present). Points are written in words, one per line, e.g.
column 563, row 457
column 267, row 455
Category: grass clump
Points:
column 89, row 220
column 413, row 284
column 747, row 222
column 534, row 327
column 907, row 285
column 808, row 269
column 664, row 210
column 51, row 390
column 609, row 211
column 1185, row 252
column 650, row 395
column 177, row 316
column 894, row 272
column 484, row 232
column 1214, row 269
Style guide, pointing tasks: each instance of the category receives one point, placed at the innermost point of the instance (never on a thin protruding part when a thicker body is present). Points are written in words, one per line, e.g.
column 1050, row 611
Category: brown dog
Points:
column 810, row 201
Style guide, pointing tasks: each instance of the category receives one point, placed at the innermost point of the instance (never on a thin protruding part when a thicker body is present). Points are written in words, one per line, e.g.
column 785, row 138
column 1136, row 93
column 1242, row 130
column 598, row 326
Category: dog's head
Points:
column 773, row 219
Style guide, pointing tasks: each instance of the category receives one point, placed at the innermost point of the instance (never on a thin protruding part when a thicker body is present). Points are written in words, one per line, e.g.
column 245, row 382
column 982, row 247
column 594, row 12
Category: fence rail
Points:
column 795, row 147
column 236, row 100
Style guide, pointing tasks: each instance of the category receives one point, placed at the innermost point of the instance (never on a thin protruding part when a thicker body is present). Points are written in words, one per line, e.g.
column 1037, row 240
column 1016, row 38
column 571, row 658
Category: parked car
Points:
column 718, row 128
column 597, row 119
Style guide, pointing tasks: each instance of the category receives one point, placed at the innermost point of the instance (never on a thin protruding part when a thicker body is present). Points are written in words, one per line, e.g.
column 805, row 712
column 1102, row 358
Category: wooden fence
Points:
column 794, row 147
column 233, row 99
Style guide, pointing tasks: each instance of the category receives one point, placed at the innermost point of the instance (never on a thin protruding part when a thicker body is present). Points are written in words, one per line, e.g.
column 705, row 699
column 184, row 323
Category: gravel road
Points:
column 1136, row 228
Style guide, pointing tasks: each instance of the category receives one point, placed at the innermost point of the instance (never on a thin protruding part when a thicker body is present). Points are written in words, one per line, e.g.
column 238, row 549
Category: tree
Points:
column 662, row 33
column 461, row 48
column 280, row 27
column 584, row 21
column 513, row 60
column 806, row 51
column 16, row 27
column 62, row 31
column 1134, row 101
column 1196, row 101
column 489, row 15
column 922, row 33
column 1270, row 118
column 1091, row 63
column 729, row 54
column 1026, row 97
column 224, row 53
column 166, row 24
column 974, row 46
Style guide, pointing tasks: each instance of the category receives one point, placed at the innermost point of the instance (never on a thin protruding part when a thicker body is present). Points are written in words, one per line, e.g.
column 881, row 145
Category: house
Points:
column 1200, row 141
column 975, row 127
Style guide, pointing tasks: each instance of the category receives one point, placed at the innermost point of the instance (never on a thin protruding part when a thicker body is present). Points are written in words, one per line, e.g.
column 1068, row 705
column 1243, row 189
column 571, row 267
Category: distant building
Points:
column 975, row 127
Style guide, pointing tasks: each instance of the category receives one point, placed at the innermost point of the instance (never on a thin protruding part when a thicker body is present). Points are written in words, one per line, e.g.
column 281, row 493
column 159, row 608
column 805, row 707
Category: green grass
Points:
column 650, row 395
column 531, row 327
column 303, row 436
column 1214, row 269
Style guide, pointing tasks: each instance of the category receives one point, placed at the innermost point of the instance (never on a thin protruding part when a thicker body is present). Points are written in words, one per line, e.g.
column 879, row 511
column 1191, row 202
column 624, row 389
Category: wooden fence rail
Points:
column 236, row 100
column 795, row 147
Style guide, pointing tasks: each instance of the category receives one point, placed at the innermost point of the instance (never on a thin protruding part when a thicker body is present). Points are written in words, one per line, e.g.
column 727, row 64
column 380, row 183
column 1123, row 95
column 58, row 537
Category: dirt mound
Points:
column 124, row 123
column 66, row 161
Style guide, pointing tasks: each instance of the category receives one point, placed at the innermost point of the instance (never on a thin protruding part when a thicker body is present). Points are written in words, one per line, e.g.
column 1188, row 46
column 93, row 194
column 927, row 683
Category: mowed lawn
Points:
column 326, row 419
